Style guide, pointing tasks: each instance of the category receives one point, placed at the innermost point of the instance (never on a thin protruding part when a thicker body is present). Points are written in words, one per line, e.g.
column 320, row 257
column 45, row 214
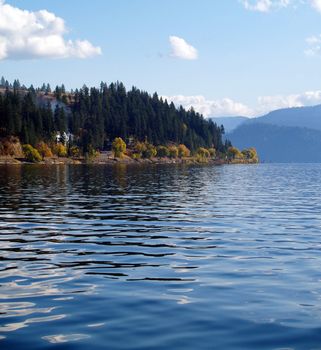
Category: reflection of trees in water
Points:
column 120, row 176
column 29, row 188
column 60, row 192
column 37, row 185
column 10, row 186
column 71, row 227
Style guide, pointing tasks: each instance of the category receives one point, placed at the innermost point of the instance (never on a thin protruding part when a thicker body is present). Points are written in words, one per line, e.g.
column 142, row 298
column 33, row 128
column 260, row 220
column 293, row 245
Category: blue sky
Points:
column 249, row 56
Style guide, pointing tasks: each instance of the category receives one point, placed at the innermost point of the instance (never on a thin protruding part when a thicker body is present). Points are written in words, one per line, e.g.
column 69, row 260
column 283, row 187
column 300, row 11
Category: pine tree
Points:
column 96, row 116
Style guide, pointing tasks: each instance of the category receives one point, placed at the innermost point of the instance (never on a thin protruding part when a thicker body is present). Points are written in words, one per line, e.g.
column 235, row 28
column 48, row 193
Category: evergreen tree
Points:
column 97, row 116
column 48, row 89
column 3, row 82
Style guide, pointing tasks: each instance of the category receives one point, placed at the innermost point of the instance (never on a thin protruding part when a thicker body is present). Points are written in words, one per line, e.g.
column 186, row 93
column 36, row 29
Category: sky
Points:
column 224, row 58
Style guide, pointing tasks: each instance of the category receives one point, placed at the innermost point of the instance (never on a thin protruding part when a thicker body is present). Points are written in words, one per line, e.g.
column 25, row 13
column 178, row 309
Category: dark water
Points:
column 160, row 257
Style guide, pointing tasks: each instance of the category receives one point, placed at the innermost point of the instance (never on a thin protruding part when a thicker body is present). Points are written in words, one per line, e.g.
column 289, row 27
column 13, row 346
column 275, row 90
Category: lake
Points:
column 160, row 257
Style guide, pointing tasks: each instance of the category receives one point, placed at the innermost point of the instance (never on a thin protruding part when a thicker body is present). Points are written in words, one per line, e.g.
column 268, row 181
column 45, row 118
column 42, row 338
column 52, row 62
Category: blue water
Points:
column 160, row 257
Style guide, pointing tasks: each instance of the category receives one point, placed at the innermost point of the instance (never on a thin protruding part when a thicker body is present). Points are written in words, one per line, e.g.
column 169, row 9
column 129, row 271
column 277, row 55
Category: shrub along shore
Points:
column 12, row 152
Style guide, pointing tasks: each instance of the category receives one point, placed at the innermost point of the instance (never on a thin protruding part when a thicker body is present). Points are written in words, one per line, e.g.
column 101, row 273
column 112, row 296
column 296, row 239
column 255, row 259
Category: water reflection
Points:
column 65, row 338
column 173, row 254
column 18, row 325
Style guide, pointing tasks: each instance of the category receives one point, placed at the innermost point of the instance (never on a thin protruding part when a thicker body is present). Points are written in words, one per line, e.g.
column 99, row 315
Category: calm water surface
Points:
column 164, row 257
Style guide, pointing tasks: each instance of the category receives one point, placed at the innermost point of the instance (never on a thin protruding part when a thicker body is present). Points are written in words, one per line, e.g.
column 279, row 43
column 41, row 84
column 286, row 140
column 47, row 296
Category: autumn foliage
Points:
column 31, row 154
column 44, row 150
column 183, row 151
column 60, row 150
column 119, row 147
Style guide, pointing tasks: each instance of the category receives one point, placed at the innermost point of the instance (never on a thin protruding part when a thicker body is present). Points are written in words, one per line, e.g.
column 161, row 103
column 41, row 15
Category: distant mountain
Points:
column 279, row 144
column 303, row 117
column 284, row 135
column 229, row 123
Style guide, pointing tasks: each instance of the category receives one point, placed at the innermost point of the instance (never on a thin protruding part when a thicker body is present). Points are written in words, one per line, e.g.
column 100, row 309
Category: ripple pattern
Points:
column 160, row 257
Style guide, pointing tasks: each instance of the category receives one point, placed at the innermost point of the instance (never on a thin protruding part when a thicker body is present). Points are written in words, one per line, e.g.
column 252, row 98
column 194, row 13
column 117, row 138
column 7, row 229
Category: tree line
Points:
column 96, row 116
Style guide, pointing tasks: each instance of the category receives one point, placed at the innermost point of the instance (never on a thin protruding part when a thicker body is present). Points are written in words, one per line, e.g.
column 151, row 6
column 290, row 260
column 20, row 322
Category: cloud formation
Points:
column 265, row 5
column 181, row 49
column 269, row 5
column 316, row 4
column 211, row 108
column 269, row 103
column 25, row 35
column 314, row 45
column 228, row 107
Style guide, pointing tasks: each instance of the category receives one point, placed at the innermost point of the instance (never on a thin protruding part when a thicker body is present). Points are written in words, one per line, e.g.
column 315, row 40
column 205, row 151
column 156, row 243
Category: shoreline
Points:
column 9, row 160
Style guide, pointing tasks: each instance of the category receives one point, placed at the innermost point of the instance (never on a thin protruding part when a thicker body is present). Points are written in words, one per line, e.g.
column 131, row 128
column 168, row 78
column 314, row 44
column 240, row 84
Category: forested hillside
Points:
column 95, row 116
column 279, row 144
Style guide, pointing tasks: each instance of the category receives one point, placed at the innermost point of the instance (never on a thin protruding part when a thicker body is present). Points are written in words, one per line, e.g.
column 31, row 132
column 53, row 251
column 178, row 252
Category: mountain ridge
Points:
column 283, row 135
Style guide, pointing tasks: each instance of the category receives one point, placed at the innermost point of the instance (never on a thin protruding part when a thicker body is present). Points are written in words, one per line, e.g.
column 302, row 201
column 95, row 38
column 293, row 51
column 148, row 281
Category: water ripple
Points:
column 160, row 257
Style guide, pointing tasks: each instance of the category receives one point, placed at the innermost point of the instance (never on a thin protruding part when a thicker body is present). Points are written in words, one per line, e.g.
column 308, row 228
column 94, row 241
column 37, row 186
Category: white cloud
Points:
column 265, row 5
column 181, row 49
column 316, row 4
column 25, row 34
column 269, row 103
column 211, row 108
column 229, row 107
column 269, row 5
column 314, row 45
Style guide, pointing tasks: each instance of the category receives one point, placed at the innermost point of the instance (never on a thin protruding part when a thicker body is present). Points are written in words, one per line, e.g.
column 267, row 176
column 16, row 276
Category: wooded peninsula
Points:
column 106, row 125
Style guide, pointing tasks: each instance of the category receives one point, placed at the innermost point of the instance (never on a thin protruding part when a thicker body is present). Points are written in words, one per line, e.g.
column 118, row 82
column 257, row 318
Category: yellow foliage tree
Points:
column 74, row 151
column 250, row 154
column 140, row 147
column 234, row 153
column 183, row 151
column 162, row 151
column 44, row 150
column 212, row 152
column 145, row 150
column 203, row 152
column 31, row 154
column 60, row 150
column 10, row 146
column 119, row 147
column 150, row 151
column 173, row 151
